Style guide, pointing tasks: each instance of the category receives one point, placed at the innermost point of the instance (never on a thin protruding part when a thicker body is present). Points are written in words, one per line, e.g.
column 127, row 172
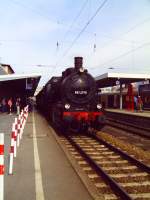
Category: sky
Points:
column 44, row 36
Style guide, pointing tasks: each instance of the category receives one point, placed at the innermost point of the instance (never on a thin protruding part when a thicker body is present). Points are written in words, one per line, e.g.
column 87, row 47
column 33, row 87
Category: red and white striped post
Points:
column 26, row 109
column 1, row 166
column 22, row 124
column 25, row 115
column 14, row 134
column 23, row 121
column 11, row 153
column 18, row 131
column 16, row 120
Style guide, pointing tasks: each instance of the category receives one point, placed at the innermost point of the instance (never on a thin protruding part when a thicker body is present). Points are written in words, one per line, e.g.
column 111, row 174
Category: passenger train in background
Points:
column 144, row 92
column 71, row 101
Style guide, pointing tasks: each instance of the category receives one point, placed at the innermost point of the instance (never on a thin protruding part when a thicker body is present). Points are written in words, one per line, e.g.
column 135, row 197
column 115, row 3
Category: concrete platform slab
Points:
column 123, row 111
column 58, row 178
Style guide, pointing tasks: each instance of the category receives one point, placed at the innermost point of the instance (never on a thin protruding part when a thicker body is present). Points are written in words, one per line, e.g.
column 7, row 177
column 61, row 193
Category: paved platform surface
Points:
column 142, row 114
column 41, row 169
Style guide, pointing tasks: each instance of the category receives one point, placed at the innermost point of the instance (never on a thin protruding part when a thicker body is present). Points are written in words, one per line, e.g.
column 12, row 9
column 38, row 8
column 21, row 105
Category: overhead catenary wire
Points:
column 36, row 11
column 137, row 25
column 75, row 19
column 126, row 32
column 58, row 43
column 83, row 29
column 123, row 55
column 102, row 35
column 129, row 30
column 131, row 51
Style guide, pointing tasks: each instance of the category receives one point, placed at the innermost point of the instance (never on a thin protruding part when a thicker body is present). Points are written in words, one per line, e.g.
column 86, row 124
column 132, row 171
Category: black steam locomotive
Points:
column 71, row 101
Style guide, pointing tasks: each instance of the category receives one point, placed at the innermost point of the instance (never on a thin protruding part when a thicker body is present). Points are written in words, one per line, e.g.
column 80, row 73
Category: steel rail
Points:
column 123, row 154
column 136, row 132
column 118, row 190
column 129, row 124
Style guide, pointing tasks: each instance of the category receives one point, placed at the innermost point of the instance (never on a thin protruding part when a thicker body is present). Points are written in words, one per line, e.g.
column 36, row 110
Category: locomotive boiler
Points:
column 71, row 101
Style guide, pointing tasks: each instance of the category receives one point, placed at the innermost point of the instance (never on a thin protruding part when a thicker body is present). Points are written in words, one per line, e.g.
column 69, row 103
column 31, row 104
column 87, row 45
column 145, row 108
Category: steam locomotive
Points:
column 71, row 101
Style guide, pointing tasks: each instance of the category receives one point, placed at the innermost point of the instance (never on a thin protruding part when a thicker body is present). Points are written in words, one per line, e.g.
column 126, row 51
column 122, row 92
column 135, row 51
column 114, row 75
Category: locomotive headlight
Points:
column 81, row 70
column 67, row 106
column 99, row 106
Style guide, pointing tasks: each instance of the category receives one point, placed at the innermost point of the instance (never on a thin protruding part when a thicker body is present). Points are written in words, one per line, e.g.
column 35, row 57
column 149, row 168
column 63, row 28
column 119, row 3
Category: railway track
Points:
column 137, row 130
column 115, row 174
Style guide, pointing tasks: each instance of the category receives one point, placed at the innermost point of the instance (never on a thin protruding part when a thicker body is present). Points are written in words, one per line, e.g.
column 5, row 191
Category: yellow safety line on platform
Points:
column 38, row 176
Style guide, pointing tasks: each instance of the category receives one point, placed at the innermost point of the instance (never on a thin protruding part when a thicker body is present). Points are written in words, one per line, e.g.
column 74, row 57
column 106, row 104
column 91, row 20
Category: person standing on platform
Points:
column 10, row 105
column 18, row 104
column 135, row 103
column 140, row 104
column 3, row 105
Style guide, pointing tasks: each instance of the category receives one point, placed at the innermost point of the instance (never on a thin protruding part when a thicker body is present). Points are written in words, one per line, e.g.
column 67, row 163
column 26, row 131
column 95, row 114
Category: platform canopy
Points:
column 18, row 84
column 112, row 79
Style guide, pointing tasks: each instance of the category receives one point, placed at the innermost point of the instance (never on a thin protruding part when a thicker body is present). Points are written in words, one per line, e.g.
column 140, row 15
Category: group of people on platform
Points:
column 10, row 105
column 138, row 103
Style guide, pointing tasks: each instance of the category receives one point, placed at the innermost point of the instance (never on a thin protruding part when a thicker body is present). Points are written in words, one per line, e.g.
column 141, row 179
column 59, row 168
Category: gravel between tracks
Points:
column 131, row 149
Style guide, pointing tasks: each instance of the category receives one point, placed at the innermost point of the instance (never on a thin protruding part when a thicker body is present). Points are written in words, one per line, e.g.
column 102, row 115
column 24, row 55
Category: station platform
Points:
column 139, row 119
column 144, row 113
column 41, row 169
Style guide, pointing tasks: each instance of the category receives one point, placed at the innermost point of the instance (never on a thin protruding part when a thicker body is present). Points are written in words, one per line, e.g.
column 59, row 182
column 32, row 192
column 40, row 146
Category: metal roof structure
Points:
column 19, row 84
column 109, row 79
column 11, row 77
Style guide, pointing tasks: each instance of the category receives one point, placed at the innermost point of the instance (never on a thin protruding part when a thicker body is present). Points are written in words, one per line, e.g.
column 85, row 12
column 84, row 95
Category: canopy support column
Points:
column 121, row 96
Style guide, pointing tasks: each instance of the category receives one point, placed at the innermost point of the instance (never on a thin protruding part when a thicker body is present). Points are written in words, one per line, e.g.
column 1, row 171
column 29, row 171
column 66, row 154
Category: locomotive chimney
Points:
column 78, row 62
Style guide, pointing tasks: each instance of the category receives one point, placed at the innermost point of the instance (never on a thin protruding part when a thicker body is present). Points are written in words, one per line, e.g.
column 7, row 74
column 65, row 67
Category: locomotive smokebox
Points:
column 78, row 61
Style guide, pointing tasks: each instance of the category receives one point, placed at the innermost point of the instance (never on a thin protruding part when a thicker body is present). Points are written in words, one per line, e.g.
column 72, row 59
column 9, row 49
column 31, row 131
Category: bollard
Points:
column 14, row 133
column 22, row 125
column 21, row 131
column 18, row 135
column 23, row 121
column 18, row 131
column 11, row 154
column 1, row 166
column 26, row 109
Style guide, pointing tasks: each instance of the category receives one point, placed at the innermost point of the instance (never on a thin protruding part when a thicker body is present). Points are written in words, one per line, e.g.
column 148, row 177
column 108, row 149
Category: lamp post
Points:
column 119, row 83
